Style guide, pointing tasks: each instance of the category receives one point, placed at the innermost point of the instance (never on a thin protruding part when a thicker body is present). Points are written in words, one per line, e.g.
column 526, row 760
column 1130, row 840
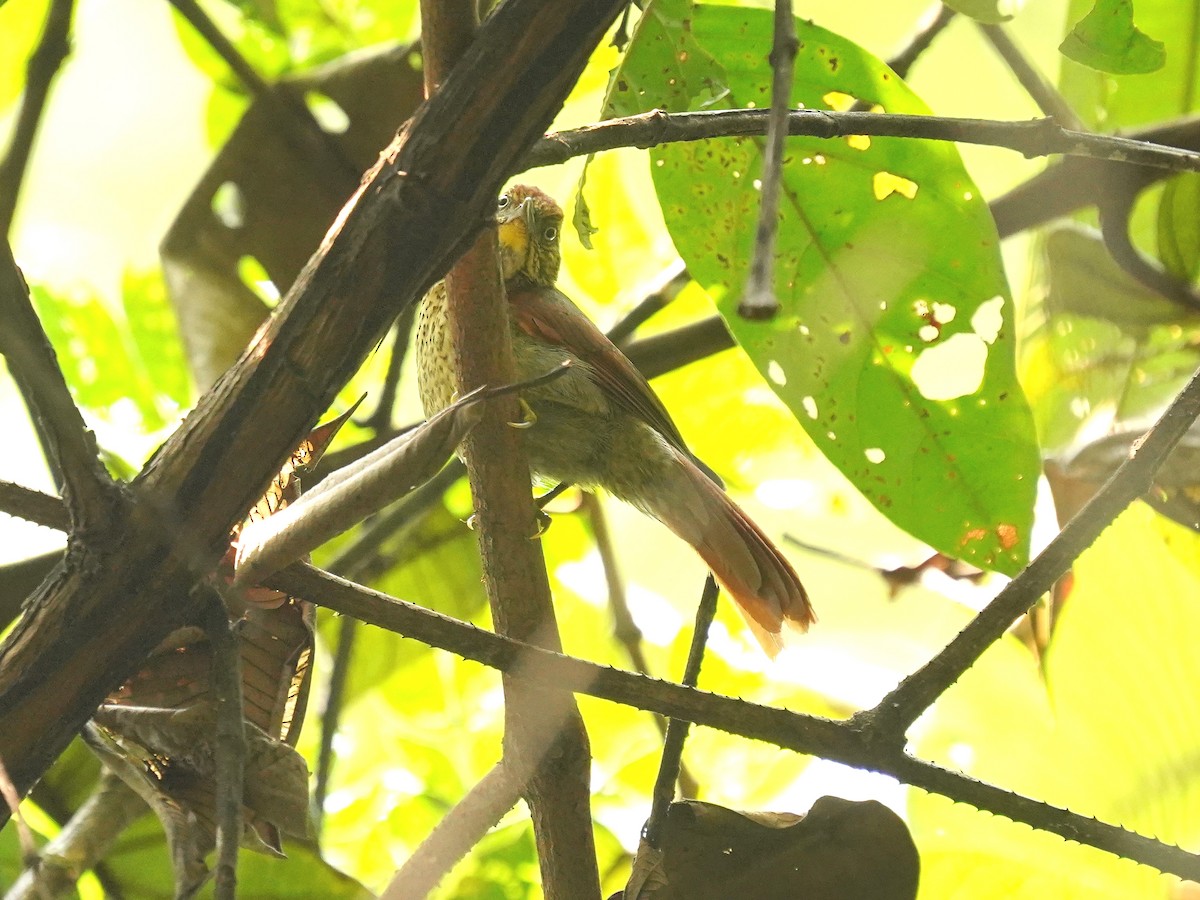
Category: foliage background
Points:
column 1104, row 722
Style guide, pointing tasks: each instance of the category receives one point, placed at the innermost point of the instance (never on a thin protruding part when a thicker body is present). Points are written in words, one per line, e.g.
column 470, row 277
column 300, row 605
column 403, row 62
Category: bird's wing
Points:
column 546, row 314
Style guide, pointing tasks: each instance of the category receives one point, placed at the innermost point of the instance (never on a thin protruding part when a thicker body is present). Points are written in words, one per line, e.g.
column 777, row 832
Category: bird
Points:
column 600, row 424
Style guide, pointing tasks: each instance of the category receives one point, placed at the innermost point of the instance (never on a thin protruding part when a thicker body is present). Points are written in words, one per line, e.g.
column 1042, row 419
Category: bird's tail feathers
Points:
column 750, row 568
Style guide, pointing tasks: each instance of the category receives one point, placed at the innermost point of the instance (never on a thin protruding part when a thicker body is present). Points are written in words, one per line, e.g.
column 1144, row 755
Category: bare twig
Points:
column 1116, row 207
column 759, row 300
column 844, row 741
column 91, row 496
column 83, row 842
column 331, row 714
column 381, row 419
column 1036, row 85
column 52, row 49
column 670, row 350
column 932, row 23
column 33, row 506
column 1036, row 137
column 460, row 829
column 655, row 301
column 12, row 799
column 677, row 728
column 899, row 709
column 625, row 629
column 229, row 746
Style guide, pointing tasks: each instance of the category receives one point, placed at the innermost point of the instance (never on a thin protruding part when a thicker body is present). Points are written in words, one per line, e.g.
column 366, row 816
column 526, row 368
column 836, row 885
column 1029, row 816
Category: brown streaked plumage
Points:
column 601, row 424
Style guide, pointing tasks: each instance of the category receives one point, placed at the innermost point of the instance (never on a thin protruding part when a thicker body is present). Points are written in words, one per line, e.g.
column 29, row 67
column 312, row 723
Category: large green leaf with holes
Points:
column 894, row 344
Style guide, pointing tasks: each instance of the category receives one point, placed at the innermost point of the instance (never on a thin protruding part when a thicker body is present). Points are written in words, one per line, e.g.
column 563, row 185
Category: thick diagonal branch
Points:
column 88, row 627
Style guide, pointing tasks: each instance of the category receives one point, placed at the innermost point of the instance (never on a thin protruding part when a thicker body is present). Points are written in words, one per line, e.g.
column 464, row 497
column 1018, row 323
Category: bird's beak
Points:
column 514, row 234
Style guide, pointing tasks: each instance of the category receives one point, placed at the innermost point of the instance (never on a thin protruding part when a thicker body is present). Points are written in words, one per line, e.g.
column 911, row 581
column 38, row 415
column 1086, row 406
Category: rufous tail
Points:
column 750, row 568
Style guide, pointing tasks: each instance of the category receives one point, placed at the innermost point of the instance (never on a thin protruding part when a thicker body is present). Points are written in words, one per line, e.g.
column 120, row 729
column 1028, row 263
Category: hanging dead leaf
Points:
column 270, row 195
column 157, row 731
column 840, row 850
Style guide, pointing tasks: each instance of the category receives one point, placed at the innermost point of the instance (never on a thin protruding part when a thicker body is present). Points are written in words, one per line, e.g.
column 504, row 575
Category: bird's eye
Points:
column 550, row 233
column 502, row 202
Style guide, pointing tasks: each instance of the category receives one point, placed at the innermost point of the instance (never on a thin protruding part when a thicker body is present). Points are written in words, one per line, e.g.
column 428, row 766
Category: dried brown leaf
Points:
column 840, row 850
column 271, row 194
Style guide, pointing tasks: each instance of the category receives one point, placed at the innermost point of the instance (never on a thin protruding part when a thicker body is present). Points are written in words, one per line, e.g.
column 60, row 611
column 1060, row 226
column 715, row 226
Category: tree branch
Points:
column 843, row 741
column 932, row 23
column 1037, row 137
column 890, row 719
column 413, row 213
column 460, row 829
column 1036, row 85
column 92, row 499
column 52, row 49
column 544, row 737
column 33, row 506
column 670, row 765
column 759, row 300
column 229, row 743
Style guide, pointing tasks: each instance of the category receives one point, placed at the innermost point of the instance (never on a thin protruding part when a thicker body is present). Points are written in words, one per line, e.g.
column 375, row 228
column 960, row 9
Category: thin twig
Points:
column 844, row 741
column 648, row 306
column 661, row 353
column 1036, row 137
column 12, row 799
column 677, row 728
column 33, row 506
column 931, row 24
column 47, row 58
column 229, row 747
column 84, row 841
column 1036, row 85
column 625, row 629
column 759, row 301
column 381, row 419
column 460, row 829
column 889, row 720
column 331, row 714
column 91, row 496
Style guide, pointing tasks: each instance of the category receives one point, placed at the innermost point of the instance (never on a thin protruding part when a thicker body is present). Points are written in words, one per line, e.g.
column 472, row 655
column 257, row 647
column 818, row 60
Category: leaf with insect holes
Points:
column 894, row 346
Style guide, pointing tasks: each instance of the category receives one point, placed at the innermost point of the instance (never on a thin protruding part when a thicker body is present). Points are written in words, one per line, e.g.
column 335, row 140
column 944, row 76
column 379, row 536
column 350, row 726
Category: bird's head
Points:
column 530, row 222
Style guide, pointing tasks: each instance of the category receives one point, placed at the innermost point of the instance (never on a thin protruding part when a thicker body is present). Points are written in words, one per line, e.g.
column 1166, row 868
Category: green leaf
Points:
column 1111, row 734
column 894, row 345
column 1179, row 226
column 20, row 25
column 1107, row 40
column 1085, row 280
column 990, row 12
column 1111, row 353
column 1109, row 102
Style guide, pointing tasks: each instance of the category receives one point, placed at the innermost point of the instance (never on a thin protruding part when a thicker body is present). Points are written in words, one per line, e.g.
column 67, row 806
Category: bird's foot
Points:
column 543, row 522
column 528, row 416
